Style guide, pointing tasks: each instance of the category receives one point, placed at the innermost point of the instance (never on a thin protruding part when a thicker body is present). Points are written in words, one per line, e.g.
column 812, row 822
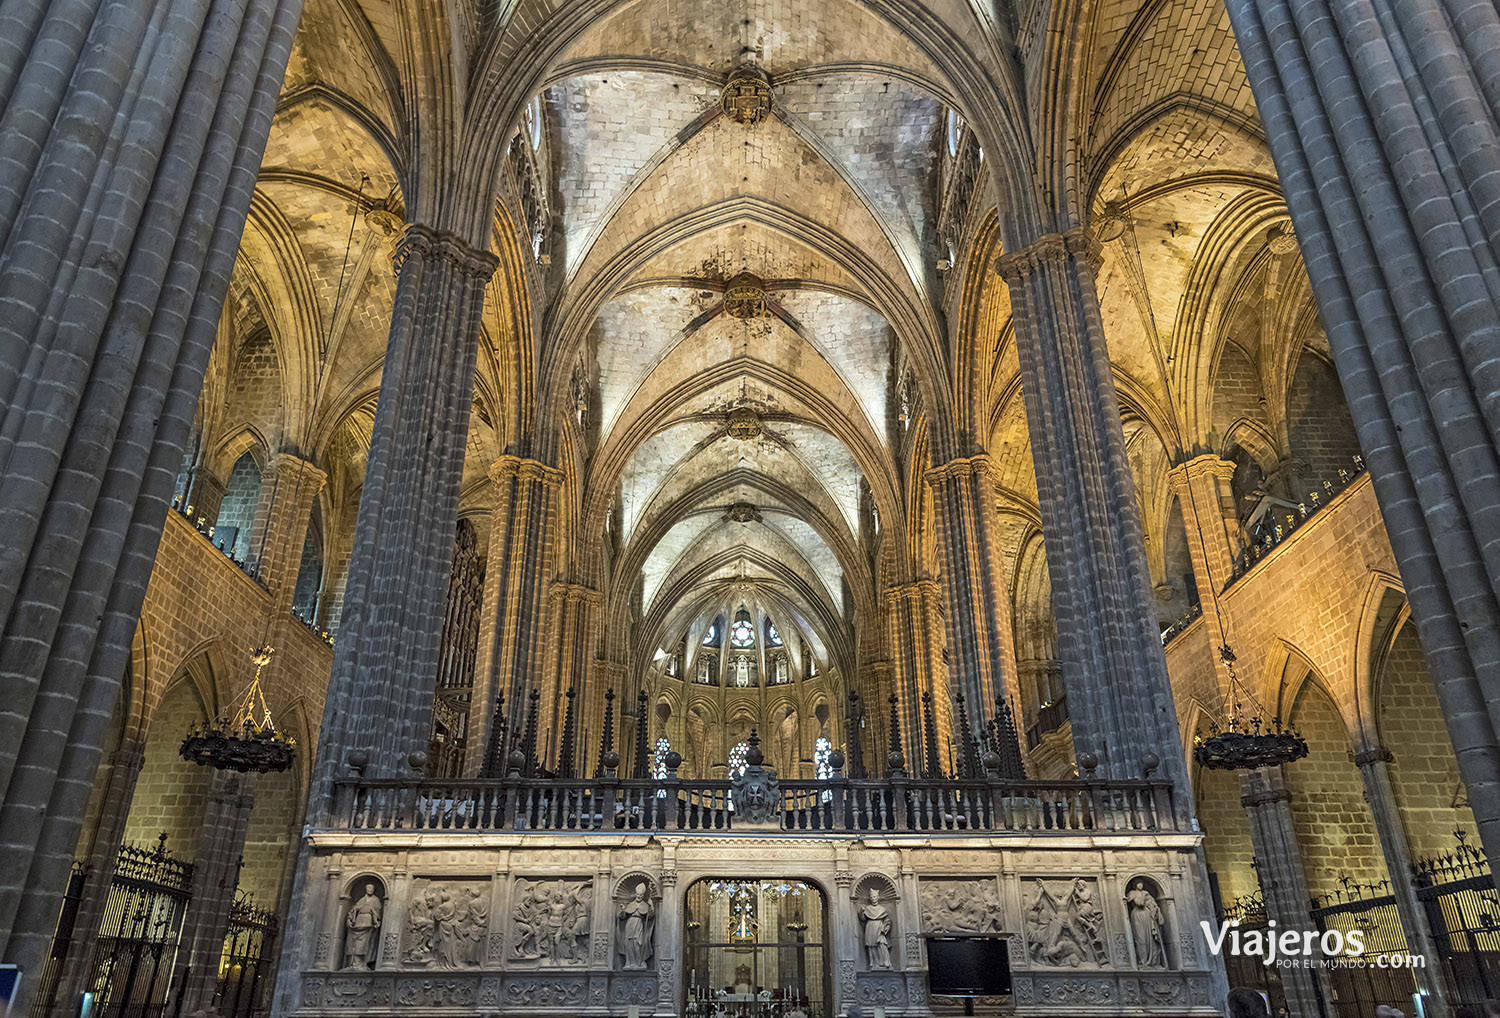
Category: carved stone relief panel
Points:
column 888, row 989
column 1064, row 922
column 447, row 924
column 551, row 922
column 438, row 991
column 558, row 991
column 959, row 906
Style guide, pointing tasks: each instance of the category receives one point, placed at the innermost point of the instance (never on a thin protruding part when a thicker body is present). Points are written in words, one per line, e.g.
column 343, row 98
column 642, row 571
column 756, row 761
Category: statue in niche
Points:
column 697, row 740
column 742, row 670
column 786, row 739
column 960, row 906
column 781, row 669
column 704, row 663
column 876, row 919
column 1147, row 925
column 1065, row 929
column 637, row 923
column 446, row 928
column 363, row 929
column 552, row 923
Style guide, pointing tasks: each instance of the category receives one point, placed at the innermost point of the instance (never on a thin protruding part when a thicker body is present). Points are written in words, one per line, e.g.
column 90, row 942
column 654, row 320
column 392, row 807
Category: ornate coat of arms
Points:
column 756, row 789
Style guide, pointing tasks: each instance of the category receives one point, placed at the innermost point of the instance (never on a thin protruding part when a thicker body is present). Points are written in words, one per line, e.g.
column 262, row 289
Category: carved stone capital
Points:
column 439, row 245
column 1050, row 249
column 1373, row 755
column 506, row 467
column 969, row 466
column 576, row 593
column 1264, row 797
column 913, row 591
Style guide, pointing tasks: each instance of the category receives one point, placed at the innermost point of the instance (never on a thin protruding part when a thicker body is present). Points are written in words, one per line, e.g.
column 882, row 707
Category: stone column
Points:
column 668, row 939
column 216, row 869
column 380, row 693
column 1119, row 695
column 135, row 135
column 124, row 770
column 512, row 626
column 205, row 494
column 1283, row 879
column 289, row 487
column 1213, row 539
column 1375, row 768
column 1381, row 118
column 573, row 612
column 914, row 638
column 981, row 648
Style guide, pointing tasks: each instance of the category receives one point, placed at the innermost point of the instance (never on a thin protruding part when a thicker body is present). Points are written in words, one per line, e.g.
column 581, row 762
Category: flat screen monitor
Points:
column 968, row 966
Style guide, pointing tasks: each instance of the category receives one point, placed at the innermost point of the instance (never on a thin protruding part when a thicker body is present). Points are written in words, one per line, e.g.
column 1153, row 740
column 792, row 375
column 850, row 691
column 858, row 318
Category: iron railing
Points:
column 836, row 804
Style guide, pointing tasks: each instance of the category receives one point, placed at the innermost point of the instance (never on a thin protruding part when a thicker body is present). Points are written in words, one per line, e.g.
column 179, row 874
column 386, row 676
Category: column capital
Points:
column 1373, row 755
column 915, row 590
column 1049, row 249
column 577, row 593
column 295, row 468
column 506, row 467
column 1205, row 465
column 967, row 466
column 1264, row 797
column 441, row 245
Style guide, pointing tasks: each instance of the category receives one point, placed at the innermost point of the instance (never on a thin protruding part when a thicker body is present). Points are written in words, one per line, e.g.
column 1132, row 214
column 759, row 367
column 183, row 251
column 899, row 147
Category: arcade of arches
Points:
column 760, row 477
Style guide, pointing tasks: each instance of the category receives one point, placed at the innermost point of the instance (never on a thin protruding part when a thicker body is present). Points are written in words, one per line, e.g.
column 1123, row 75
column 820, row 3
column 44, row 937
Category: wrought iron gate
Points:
column 248, row 950
column 1457, row 890
column 1358, row 990
column 139, row 934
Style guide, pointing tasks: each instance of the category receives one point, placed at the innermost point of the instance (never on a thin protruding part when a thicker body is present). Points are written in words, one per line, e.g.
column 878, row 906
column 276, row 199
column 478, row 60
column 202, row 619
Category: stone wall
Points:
column 487, row 951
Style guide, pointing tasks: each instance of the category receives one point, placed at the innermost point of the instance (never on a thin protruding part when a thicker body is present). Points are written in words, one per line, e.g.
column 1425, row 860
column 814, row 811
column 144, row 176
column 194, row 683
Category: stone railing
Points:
column 1275, row 527
column 205, row 528
column 835, row 805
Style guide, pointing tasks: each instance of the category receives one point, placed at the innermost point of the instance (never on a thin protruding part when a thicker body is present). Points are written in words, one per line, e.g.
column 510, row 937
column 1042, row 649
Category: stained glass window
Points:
column 772, row 636
column 822, row 752
column 742, row 634
column 659, row 764
column 737, row 759
column 712, row 636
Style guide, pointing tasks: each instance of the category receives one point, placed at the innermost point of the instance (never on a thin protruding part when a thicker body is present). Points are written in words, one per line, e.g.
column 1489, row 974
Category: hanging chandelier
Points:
column 246, row 741
column 1248, row 740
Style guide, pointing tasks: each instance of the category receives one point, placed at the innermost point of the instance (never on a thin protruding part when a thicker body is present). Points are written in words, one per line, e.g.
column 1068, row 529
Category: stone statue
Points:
column 552, row 922
column 1146, row 925
column 697, row 740
column 742, row 670
column 877, row 931
column 363, row 926
column 637, row 922
column 786, row 740
column 474, row 924
column 780, row 669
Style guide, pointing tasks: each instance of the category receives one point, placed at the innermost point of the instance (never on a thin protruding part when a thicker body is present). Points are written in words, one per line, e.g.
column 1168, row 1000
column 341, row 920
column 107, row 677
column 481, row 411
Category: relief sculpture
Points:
column 1065, row 925
column 551, row 922
column 960, row 906
column 446, row 926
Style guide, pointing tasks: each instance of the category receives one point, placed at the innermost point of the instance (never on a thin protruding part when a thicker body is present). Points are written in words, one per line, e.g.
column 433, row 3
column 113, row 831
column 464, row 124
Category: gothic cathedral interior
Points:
column 752, row 509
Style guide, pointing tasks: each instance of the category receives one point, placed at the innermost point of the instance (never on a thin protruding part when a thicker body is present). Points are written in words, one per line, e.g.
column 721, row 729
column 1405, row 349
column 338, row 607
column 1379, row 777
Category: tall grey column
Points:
column 133, row 134
column 1382, row 119
column 981, row 652
column 1119, row 697
column 216, row 868
column 1283, row 878
column 1375, row 768
column 513, row 624
column 380, row 693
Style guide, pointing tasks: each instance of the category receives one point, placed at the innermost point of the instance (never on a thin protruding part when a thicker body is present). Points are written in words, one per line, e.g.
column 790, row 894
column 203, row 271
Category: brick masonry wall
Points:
column 1424, row 774
column 171, row 793
column 1335, row 828
column 1318, row 423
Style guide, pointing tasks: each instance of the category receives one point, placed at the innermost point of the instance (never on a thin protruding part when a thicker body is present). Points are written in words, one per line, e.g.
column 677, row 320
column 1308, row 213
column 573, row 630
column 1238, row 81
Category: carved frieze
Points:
column 545, row 991
column 888, row 989
column 454, row 991
column 1074, row 992
column 629, row 990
